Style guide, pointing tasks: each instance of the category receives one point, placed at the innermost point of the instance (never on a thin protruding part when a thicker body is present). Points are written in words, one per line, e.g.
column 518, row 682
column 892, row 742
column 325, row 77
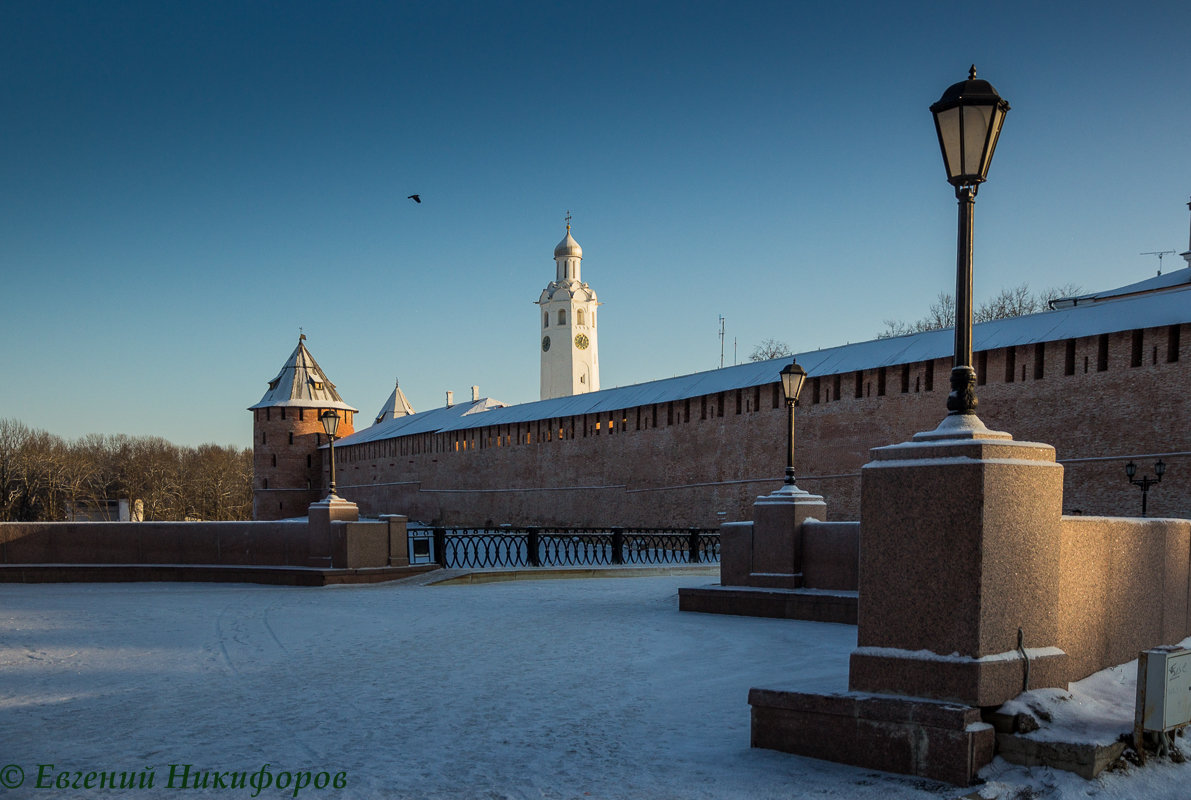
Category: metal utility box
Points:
column 1163, row 691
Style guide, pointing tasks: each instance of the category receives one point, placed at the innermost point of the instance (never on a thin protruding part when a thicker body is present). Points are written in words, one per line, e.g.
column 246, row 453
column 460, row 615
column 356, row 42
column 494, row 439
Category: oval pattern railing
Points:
column 481, row 548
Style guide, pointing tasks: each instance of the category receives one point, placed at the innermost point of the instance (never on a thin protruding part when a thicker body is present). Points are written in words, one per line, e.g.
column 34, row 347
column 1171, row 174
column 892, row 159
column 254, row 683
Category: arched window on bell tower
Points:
column 562, row 316
column 578, row 316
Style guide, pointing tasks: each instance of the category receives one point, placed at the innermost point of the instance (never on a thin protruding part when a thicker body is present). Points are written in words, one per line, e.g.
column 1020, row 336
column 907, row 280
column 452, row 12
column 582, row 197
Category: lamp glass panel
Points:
column 948, row 125
column 998, row 119
column 788, row 384
column 793, row 376
column 330, row 422
column 975, row 133
column 799, row 379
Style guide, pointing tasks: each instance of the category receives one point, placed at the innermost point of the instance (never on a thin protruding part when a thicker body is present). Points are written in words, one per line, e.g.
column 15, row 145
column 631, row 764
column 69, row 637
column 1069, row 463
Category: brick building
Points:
column 1101, row 377
column 287, row 434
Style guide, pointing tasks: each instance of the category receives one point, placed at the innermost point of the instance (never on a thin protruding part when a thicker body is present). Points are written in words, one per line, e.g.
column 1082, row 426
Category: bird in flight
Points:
column 417, row 198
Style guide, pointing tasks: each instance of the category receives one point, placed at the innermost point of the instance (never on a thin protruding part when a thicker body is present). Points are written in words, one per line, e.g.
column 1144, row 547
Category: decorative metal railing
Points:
column 480, row 548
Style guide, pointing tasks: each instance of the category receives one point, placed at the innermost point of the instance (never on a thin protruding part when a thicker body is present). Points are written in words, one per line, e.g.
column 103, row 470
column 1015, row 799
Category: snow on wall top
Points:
column 1086, row 319
column 1169, row 280
column 303, row 384
column 432, row 421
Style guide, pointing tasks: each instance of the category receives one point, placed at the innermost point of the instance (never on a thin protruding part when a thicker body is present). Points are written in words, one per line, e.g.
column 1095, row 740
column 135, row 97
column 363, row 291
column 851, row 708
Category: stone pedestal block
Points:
column 944, row 741
column 776, row 553
column 359, row 545
column 736, row 553
column 398, row 539
column 320, row 515
column 959, row 550
column 814, row 605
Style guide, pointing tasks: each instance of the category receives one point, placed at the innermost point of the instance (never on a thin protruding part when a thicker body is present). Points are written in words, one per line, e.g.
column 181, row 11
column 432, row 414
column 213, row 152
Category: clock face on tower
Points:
column 545, row 343
column 581, row 341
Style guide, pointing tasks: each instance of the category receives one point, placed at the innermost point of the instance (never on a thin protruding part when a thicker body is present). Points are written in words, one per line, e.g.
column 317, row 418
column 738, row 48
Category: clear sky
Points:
column 184, row 185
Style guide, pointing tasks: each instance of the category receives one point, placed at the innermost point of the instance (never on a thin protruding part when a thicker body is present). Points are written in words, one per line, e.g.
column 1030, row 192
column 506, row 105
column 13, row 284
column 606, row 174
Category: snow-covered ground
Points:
column 544, row 689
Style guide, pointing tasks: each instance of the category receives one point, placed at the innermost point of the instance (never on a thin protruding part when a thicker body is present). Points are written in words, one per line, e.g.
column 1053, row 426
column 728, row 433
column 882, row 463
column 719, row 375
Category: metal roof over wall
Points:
column 1170, row 305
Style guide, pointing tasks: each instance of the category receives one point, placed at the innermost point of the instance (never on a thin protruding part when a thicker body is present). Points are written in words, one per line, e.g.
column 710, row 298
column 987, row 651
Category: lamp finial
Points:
column 972, row 73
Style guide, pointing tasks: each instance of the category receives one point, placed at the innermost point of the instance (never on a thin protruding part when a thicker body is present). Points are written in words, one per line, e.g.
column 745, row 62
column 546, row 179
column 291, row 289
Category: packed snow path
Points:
column 544, row 689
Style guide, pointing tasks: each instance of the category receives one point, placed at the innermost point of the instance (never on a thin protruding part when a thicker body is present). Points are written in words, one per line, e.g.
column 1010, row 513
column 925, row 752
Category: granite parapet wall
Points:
column 1124, row 586
column 830, row 555
column 224, row 543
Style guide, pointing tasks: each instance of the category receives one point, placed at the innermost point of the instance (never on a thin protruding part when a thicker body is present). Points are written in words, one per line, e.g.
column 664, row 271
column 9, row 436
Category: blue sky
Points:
column 180, row 183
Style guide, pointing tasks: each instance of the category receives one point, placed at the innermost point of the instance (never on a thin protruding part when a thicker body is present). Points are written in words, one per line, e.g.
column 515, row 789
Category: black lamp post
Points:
column 1145, row 482
column 330, row 421
column 968, row 119
column 793, row 376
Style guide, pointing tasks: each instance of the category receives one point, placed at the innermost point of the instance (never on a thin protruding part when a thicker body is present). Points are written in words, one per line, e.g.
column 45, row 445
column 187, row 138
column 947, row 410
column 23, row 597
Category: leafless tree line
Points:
column 43, row 476
column 1015, row 302
column 770, row 348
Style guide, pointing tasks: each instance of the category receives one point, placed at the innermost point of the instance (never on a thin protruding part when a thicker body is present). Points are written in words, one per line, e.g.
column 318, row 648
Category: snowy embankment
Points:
column 543, row 689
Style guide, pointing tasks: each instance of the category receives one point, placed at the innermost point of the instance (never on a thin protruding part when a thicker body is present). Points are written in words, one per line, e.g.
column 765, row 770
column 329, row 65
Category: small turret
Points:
column 396, row 406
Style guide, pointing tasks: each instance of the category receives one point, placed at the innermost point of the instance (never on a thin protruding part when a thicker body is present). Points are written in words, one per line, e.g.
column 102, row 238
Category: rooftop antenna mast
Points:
column 1158, row 253
column 1187, row 255
column 721, row 341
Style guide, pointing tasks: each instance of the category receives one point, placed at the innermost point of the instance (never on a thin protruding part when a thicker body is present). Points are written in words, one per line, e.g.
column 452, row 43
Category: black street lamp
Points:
column 968, row 119
column 1146, row 481
column 330, row 421
column 793, row 376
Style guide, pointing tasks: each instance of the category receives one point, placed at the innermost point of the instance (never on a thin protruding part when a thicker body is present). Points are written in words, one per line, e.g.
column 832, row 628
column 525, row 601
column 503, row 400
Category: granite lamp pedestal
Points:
column 959, row 551
column 320, row 515
column 763, row 571
column 768, row 552
column 960, row 536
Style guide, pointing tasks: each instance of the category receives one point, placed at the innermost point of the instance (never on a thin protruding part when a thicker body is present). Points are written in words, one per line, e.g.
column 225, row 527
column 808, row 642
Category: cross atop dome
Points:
column 568, row 248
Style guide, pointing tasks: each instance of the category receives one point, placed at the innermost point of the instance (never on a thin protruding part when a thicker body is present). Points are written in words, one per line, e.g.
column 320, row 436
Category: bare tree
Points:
column 43, row 476
column 940, row 315
column 1015, row 302
column 1057, row 292
column 770, row 348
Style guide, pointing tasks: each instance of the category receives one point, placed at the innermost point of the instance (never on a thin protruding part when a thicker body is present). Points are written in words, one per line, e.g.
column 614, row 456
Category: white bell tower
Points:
column 567, row 320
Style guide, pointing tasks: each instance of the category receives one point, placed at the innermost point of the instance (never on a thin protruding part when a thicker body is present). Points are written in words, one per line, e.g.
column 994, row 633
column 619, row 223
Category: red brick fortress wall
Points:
column 701, row 462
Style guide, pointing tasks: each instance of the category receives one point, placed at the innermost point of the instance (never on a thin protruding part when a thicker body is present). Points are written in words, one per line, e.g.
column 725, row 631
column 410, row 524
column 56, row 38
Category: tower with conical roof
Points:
column 287, row 434
column 567, row 313
column 396, row 406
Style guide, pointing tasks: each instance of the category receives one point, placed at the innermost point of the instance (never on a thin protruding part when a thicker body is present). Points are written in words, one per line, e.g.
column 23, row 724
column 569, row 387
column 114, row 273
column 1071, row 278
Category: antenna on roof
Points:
column 721, row 341
column 1158, row 253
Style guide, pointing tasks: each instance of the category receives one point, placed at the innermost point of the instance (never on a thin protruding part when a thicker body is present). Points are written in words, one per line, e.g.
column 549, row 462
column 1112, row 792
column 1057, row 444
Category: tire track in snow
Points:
column 222, row 641
column 269, row 628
